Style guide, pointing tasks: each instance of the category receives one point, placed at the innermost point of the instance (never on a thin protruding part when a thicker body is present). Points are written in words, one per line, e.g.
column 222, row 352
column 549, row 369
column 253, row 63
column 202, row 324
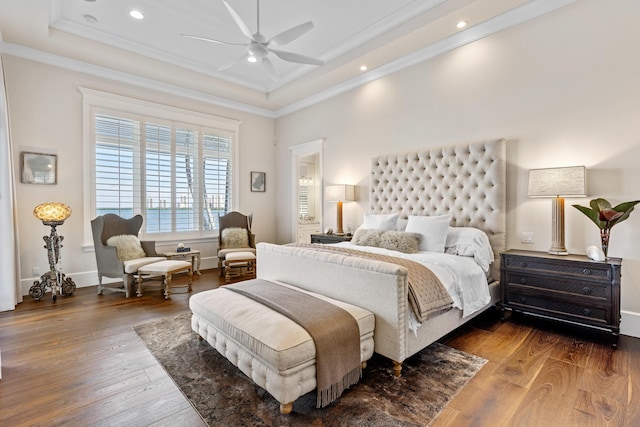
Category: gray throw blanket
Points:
column 427, row 295
column 335, row 333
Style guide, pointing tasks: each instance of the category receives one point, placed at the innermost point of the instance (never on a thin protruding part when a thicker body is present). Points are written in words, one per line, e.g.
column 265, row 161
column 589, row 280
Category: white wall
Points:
column 563, row 89
column 45, row 109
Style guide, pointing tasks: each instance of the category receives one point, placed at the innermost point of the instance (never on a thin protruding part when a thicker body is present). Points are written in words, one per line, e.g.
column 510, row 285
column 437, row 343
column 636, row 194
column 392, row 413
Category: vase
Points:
column 604, row 240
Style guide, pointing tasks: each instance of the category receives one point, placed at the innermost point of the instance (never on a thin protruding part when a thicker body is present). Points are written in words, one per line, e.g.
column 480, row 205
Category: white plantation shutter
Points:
column 116, row 175
column 217, row 174
column 177, row 173
column 187, row 180
column 158, row 179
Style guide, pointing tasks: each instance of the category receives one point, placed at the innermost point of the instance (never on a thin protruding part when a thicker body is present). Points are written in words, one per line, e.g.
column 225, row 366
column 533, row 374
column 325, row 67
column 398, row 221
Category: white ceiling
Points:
column 347, row 33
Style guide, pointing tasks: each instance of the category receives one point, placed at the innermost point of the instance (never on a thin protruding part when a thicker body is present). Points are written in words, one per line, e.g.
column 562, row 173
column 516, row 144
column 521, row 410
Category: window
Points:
column 175, row 167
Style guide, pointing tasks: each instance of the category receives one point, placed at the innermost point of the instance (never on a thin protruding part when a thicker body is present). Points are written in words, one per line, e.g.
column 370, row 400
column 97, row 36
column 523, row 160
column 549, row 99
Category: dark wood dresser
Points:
column 572, row 288
column 330, row 238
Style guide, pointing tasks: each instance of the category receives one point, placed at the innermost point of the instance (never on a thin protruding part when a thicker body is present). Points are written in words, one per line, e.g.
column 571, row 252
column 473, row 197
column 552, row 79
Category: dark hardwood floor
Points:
column 77, row 362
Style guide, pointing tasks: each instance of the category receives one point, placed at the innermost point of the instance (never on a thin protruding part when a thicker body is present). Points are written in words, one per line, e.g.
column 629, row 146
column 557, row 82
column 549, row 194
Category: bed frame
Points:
column 466, row 181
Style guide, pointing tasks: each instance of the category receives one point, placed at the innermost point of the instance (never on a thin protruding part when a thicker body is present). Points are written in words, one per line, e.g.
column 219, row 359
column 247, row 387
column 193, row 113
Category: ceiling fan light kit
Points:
column 259, row 47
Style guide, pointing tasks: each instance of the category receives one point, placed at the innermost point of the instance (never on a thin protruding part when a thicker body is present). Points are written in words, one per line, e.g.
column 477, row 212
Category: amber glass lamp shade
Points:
column 52, row 212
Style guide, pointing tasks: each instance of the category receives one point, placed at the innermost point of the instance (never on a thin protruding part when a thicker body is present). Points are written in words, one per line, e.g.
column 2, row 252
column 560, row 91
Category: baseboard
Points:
column 630, row 324
column 85, row 279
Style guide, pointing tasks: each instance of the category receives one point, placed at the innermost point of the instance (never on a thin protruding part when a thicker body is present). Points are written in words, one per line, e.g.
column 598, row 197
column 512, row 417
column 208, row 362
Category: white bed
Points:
column 464, row 181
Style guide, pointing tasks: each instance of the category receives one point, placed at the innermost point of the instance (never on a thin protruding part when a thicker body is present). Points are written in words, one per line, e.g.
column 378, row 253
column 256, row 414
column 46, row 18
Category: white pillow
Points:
column 127, row 246
column 471, row 242
column 234, row 237
column 383, row 222
column 432, row 230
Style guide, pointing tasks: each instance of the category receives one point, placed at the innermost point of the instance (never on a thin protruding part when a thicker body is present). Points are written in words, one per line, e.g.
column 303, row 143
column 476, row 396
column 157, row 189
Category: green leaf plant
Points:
column 604, row 215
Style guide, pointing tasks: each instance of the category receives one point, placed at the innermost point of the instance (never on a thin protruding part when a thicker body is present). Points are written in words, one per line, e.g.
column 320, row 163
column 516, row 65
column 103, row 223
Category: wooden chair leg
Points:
column 286, row 408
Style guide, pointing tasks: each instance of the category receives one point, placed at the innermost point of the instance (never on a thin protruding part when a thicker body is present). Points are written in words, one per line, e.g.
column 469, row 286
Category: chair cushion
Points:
column 240, row 256
column 222, row 253
column 127, row 246
column 164, row 267
column 132, row 266
column 234, row 237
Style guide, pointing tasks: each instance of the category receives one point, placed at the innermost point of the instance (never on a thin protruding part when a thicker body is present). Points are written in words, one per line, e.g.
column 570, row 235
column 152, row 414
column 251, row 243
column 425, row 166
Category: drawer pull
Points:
column 586, row 312
column 586, row 290
column 523, row 300
column 523, row 280
column 523, row 265
column 586, row 271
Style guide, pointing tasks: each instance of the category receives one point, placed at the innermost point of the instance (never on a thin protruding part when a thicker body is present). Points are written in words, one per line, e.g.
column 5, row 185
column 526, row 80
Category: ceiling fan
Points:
column 259, row 47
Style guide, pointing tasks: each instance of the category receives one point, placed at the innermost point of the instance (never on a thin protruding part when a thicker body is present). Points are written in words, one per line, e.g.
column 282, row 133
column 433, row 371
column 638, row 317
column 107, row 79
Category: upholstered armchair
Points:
column 124, row 254
column 234, row 236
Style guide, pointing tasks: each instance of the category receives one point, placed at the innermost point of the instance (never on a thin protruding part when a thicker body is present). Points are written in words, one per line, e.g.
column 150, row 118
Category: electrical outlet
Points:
column 528, row 237
column 35, row 271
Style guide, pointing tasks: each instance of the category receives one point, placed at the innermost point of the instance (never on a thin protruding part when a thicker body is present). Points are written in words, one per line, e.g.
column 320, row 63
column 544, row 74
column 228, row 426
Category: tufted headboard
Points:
column 467, row 181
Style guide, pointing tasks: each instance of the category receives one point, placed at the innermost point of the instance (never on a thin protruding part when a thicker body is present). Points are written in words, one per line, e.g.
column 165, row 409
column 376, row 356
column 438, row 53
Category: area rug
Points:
column 224, row 396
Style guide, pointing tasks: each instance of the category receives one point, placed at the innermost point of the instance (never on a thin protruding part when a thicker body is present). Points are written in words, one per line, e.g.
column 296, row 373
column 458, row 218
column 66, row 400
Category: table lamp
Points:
column 52, row 214
column 339, row 193
column 558, row 183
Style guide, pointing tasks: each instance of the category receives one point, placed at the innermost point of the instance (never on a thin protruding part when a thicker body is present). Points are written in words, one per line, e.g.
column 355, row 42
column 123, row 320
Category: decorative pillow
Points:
column 234, row 237
column 432, row 231
column 127, row 246
column 399, row 241
column 380, row 221
column 471, row 242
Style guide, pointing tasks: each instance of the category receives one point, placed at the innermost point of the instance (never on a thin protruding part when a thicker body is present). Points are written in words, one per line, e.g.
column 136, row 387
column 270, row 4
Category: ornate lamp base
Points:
column 49, row 282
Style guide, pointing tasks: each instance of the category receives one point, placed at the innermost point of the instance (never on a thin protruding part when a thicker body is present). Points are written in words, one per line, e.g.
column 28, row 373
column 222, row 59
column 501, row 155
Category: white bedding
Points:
column 461, row 276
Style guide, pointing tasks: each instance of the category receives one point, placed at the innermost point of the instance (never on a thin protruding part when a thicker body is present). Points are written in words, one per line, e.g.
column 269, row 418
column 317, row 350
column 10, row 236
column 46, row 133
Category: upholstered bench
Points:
column 165, row 270
column 271, row 349
column 234, row 262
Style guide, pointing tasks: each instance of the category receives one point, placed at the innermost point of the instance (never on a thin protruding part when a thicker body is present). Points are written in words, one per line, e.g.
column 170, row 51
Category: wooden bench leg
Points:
column 286, row 408
column 397, row 369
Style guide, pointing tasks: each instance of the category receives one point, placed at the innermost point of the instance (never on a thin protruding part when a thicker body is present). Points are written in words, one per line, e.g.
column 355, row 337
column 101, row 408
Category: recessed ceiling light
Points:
column 136, row 14
column 363, row 68
column 251, row 59
column 461, row 24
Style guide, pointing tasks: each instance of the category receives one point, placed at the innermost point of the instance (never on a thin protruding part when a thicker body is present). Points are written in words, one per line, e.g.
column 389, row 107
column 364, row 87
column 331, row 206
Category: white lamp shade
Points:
column 558, row 182
column 339, row 193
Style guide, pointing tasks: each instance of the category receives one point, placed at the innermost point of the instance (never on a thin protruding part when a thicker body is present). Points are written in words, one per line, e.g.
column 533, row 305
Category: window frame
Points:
column 96, row 102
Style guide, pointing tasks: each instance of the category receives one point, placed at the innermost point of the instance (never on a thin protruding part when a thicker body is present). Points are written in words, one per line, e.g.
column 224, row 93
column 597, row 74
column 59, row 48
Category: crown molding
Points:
column 128, row 78
column 494, row 25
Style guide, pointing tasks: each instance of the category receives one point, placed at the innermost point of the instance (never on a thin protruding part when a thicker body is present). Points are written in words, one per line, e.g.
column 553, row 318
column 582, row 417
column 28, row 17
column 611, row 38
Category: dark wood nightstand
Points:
column 330, row 238
column 572, row 288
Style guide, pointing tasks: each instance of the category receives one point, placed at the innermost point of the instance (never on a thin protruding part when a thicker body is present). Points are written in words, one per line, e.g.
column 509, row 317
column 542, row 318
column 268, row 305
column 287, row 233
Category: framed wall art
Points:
column 38, row 168
column 258, row 181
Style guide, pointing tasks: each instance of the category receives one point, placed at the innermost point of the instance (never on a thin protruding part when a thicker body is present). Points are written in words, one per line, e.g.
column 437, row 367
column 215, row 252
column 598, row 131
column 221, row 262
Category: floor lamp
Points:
column 53, row 215
column 558, row 183
column 339, row 193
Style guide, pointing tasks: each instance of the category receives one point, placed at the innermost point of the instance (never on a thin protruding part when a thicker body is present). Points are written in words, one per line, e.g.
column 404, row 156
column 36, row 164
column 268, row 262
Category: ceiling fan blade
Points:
column 239, row 22
column 233, row 62
column 213, row 40
column 291, row 34
column 296, row 57
column 269, row 68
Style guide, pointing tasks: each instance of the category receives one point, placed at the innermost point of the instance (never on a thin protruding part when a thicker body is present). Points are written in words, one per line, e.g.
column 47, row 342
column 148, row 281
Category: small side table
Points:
column 330, row 238
column 195, row 258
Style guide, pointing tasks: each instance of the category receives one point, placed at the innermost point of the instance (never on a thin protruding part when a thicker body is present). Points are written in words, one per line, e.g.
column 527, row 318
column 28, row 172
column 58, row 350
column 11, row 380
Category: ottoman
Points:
column 271, row 349
column 163, row 269
column 234, row 262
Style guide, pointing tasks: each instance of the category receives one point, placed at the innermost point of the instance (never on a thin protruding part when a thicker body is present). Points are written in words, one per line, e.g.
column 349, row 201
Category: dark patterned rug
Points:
column 225, row 396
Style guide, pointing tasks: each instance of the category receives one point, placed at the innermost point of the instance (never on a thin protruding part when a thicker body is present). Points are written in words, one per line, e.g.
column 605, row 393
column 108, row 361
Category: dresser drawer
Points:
column 532, row 265
column 566, row 310
column 569, row 288
column 575, row 287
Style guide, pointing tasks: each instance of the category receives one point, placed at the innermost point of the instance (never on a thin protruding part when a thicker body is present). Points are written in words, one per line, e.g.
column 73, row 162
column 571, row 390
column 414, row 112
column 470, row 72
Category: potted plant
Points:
column 605, row 217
